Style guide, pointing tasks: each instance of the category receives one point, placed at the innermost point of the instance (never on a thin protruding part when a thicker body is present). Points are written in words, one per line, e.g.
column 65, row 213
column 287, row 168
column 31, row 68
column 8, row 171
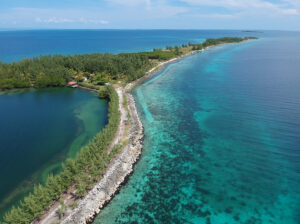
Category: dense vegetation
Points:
column 224, row 40
column 82, row 172
column 57, row 70
column 160, row 54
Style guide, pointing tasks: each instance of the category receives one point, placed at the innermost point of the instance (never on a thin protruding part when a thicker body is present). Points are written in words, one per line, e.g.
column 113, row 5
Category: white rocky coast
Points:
column 120, row 169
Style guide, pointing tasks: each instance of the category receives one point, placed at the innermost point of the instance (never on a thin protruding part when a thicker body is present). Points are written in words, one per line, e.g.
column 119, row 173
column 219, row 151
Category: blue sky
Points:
column 145, row 14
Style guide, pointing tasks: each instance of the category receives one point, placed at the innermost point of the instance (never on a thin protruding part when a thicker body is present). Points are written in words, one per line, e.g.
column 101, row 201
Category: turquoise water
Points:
column 40, row 129
column 221, row 139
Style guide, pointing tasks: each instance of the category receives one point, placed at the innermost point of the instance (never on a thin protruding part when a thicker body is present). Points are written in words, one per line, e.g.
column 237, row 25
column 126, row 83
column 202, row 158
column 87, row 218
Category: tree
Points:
column 177, row 50
column 62, row 209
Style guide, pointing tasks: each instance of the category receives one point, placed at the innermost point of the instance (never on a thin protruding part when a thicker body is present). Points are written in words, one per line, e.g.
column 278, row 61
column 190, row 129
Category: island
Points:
column 88, row 182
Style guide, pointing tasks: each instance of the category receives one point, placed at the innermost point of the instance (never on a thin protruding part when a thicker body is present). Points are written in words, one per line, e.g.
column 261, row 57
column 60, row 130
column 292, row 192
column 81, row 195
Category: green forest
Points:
column 57, row 70
column 224, row 40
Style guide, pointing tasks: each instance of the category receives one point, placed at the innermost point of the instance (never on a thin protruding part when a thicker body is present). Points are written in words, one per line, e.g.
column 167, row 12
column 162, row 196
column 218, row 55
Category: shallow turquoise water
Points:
column 221, row 139
column 40, row 129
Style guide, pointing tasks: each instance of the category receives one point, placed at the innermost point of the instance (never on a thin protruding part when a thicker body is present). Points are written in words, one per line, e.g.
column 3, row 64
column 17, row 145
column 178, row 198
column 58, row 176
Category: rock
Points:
column 115, row 176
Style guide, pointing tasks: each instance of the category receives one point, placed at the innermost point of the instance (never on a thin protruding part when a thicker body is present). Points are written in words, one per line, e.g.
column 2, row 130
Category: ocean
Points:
column 221, row 127
column 17, row 45
column 221, row 139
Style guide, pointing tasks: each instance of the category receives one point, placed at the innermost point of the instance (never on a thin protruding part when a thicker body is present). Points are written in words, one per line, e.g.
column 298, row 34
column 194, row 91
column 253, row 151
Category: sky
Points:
column 150, row 14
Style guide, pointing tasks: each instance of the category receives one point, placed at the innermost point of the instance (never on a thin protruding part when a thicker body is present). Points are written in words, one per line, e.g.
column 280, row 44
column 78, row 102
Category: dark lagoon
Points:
column 40, row 129
column 222, row 139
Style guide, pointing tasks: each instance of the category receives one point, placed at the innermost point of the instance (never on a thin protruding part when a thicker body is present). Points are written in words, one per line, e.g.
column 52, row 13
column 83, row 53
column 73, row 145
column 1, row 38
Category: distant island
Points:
column 251, row 31
column 99, row 166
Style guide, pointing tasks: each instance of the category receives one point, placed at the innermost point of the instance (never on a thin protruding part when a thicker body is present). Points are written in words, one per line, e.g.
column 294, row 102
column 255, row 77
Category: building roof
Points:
column 72, row 83
column 92, row 74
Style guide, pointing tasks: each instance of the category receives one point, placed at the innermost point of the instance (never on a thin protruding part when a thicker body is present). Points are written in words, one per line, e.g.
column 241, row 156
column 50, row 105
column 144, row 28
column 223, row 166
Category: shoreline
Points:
column 130, row 86
column 122, row 166
column 117, row 174
column 88, row 89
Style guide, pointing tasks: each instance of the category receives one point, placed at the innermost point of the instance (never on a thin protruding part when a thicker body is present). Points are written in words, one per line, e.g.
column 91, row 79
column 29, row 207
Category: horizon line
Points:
column 145, row 29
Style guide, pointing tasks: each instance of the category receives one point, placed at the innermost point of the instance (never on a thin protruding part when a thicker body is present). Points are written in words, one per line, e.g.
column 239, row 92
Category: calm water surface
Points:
column 222, row 139
column 17, row 45
column 40, row 129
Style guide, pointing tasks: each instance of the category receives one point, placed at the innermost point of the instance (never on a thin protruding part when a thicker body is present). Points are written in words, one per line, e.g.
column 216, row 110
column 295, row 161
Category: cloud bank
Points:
column 194, row 14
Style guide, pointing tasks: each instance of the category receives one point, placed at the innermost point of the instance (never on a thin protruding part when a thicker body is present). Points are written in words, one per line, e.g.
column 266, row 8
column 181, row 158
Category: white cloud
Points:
column 54, row 20
column 65, row 20
column 217, row 16
column 295, row 3
column 290, row 11
column 94, row 21
column 230, row 3
column 53, row 16
column 250, row 5
column 163, row 11
column 148, row 8
column 103, row 22
column 131, row 3
column 284, row 14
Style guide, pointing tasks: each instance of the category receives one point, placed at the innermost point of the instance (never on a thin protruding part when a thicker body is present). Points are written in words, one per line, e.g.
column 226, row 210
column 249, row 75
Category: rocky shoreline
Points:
column 115, row 176
column 122, row 166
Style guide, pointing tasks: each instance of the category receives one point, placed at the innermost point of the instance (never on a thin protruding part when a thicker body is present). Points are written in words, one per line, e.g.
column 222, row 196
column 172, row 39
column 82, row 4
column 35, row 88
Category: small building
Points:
column 72, row 84
column 84, row 78
column 92, row 75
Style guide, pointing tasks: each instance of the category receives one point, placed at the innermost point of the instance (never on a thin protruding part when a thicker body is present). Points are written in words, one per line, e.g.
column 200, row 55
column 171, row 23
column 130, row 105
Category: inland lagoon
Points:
column 221, row 139
column 39, row 130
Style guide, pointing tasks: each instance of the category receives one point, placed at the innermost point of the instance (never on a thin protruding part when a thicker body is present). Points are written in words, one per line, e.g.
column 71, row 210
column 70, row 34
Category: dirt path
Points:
column 120, row 168
column 123, row 119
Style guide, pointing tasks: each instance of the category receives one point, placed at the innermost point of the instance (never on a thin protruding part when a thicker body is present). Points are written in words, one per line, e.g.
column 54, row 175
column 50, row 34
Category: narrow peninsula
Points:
column 88, row 182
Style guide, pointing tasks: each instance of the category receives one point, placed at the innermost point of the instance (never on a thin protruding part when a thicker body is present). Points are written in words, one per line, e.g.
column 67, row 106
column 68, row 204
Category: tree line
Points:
column 57, row 70
column 224, row 40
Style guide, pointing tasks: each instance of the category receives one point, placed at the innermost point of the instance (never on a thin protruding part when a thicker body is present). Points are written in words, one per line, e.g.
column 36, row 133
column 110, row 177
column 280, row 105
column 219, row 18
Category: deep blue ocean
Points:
column 17, row 45
column 222, row 136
